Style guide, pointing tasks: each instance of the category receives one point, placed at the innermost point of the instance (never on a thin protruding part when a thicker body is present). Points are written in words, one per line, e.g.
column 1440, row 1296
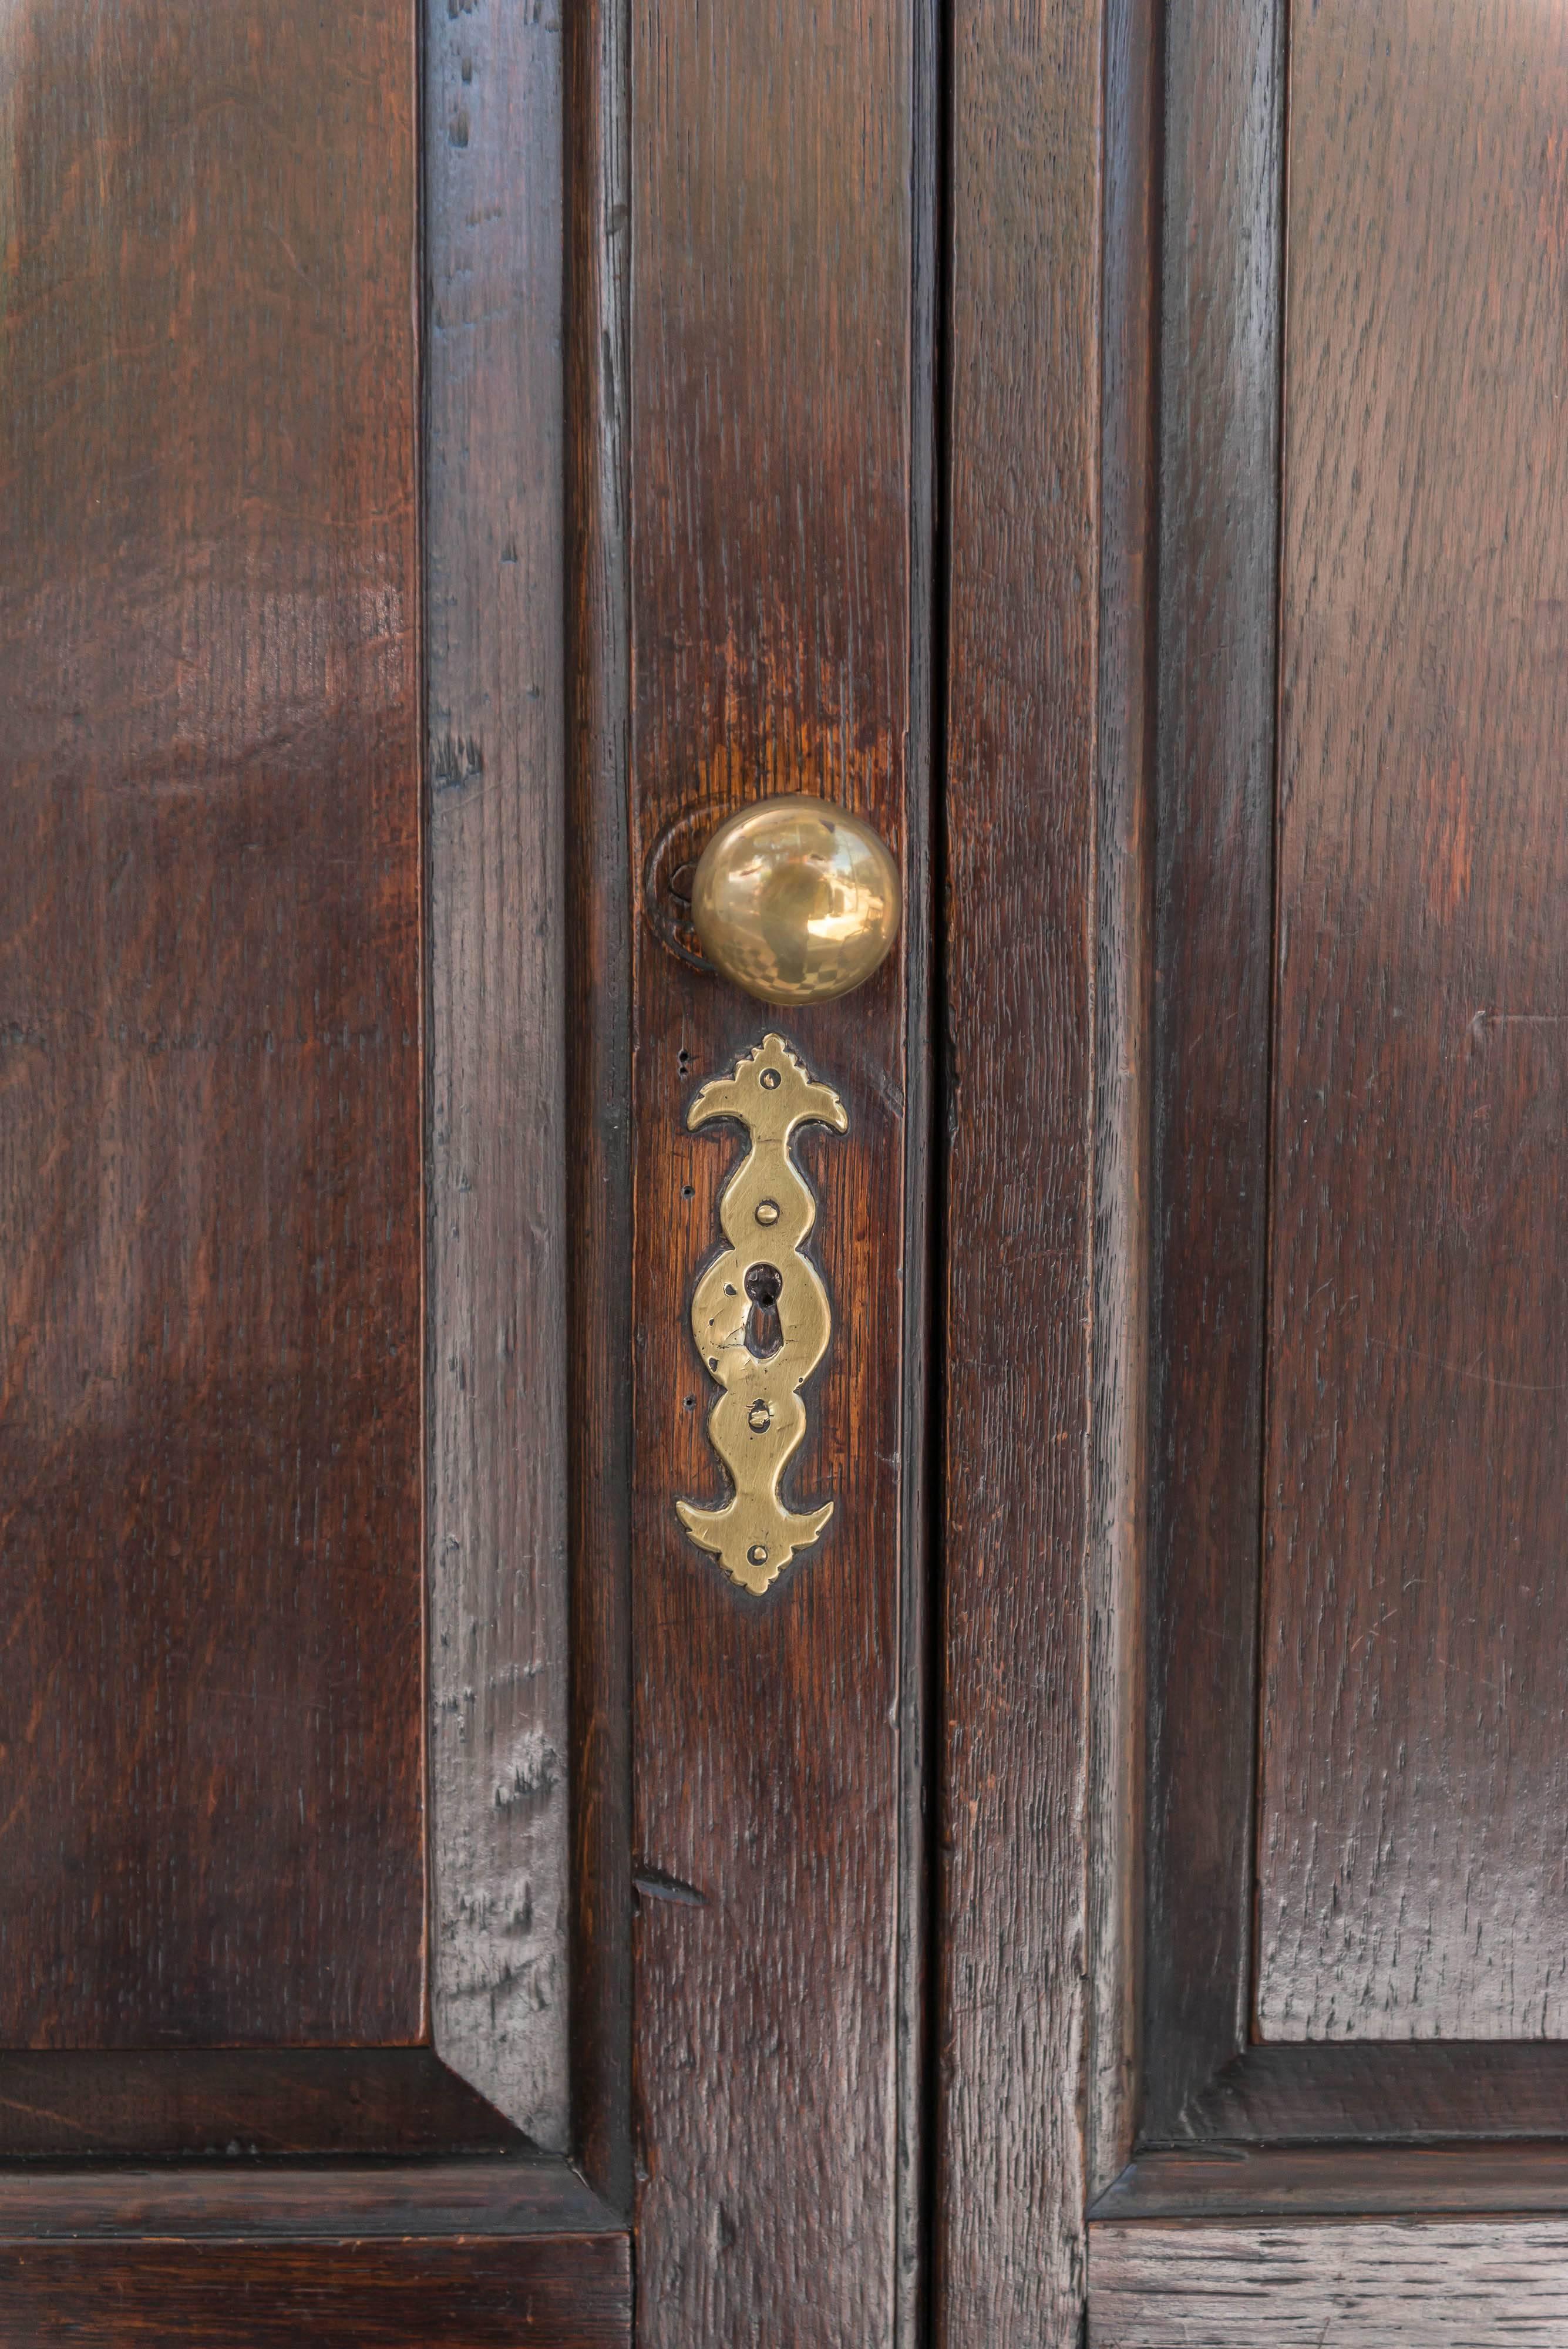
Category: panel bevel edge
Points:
column 599, row 1277
column 496, row 1391
column 204, row 2200
column 1366, row 2091
column 1123, row 1104
column 1222, row 323
column 1218, row 2182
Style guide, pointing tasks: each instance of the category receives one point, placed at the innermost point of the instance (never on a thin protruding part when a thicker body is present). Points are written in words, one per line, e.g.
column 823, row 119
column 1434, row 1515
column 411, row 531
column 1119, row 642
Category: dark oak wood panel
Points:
column 1018, row 916
column 209, row 1007
column 771, row 591
column 1324, row 2181
column 1412, row 1879
column 1213, row 883
column 317, row 2100
column 1366, row 2285
column 568, row 2292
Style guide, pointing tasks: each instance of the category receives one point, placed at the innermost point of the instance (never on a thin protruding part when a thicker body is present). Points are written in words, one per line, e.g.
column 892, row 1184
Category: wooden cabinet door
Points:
column 1251, row 1884
column 1109, row 1883
column 1329, row 1395
column 450, row 458
column 284, row 1948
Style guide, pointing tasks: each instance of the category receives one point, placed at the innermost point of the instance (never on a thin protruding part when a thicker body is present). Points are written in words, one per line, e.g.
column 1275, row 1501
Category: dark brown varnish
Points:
column 770, row 467
column 210, row 998
column 1412, row 1879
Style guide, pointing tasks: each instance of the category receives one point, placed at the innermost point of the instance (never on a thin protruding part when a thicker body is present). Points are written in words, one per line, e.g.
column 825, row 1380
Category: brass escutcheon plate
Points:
column 761, row 1315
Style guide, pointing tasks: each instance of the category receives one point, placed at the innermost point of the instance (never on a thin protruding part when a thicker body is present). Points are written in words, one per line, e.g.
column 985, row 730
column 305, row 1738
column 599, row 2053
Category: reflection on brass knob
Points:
column 795, row 900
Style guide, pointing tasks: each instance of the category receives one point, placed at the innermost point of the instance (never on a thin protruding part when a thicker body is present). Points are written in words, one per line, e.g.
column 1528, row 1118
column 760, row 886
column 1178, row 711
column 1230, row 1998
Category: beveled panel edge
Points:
column 1216, row 2182
column 65, row 2106
column 598, row 1081
column 1221, row 325
column 216, row 2200
column 495, row 1187
column 1124, row 1003
column 1360, row 2091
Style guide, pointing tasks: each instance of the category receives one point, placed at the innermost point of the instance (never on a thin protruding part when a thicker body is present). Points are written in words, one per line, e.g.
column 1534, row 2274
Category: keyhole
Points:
column 764, row 1336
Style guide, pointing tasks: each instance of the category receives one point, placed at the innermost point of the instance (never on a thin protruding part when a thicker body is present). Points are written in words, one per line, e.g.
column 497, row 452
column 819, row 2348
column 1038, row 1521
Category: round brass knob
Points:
column 795, row 900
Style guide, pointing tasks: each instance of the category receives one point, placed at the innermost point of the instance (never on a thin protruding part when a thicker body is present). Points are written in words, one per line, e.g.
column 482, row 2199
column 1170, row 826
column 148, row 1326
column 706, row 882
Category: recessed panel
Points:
column 1413, row 1874
column 210, row 1225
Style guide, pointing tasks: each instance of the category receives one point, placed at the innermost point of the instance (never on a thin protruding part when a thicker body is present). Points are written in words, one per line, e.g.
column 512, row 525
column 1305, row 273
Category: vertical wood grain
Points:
column 771, row 395
column 1123, row 1006
column 1213, row 896
column 210, row 1018
column 921, row 947
column 1019, row 915
column 494, row 483
column 598, row 660
column 1412, row 1875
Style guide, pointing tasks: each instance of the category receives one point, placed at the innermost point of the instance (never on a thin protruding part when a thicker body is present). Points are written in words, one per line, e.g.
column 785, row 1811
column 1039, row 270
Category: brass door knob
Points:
column 795, row 900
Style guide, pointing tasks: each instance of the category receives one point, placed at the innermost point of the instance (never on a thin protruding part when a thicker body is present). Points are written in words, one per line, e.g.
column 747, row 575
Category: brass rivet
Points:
column 767, row 1211
column 758, row 1554
column 771, row 1081
column 758, row 1417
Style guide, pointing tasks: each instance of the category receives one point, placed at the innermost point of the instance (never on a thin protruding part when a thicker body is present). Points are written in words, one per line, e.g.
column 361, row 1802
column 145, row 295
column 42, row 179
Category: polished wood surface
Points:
column 1017, row 919
column 496, row 707
column 1412, row 1878
column 772, row 649
column 210, row 988
column 1382, row 2284
column 1213, row 895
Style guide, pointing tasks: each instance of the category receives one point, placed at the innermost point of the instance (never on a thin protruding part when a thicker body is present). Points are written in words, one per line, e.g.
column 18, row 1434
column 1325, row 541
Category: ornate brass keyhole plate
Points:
column 761, row 1315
